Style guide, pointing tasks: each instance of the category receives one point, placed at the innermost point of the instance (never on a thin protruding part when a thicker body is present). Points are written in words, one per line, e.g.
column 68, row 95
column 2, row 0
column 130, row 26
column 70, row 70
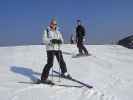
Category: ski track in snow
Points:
column 84, row 92
column 105, row 69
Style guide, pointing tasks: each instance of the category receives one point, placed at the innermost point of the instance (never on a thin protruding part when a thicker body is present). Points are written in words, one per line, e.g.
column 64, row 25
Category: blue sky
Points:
column 22, row 21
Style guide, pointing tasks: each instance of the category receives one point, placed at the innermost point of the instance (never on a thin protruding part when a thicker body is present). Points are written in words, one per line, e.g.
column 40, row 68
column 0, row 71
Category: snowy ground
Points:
column 109, row 70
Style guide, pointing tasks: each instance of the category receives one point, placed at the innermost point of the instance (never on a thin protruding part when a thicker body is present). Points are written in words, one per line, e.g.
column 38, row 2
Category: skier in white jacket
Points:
column 52, row 38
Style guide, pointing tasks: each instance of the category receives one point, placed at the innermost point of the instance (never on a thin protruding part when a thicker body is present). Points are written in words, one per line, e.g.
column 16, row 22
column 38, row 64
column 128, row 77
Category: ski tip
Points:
column 90, row 87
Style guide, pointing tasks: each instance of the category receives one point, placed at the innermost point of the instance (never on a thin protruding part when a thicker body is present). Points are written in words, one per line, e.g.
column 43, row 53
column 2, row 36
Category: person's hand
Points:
column 56, row 41
column 59, row 42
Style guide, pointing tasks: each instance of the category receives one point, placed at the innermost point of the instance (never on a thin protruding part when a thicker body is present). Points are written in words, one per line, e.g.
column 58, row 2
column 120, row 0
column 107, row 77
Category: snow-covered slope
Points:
column 109, row 70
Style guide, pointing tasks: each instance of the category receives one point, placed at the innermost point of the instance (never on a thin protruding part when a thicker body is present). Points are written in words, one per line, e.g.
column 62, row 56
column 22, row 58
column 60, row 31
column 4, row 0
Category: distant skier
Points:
column 53, row 39
column 80, row 34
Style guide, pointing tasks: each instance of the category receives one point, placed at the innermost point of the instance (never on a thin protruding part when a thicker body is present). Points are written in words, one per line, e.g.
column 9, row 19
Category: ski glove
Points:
column 56, row 41
column 59, row 42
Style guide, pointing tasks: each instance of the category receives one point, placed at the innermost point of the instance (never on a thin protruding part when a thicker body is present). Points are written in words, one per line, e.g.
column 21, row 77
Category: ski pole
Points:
column 52, row 73
column 52, row 66
column 59, row 63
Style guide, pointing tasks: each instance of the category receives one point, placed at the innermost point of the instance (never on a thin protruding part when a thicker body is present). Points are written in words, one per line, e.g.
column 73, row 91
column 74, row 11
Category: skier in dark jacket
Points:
column 80, row 34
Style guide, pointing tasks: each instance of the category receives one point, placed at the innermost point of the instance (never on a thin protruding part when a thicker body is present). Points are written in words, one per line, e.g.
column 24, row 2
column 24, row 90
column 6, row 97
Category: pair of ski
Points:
column 49, row 82
column 80, row 55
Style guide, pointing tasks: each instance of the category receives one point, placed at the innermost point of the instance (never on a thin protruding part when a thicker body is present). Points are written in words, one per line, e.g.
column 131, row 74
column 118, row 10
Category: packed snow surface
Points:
column 109, row 70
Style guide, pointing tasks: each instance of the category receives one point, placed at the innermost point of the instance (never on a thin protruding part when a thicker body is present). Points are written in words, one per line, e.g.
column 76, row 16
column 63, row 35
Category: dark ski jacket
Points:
column 80, row 32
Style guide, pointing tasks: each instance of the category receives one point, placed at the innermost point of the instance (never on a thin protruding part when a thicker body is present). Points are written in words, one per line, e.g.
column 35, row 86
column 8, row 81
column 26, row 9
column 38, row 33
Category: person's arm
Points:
column 76, row 34
column 46, row 39
column 61, row 38
column 83, row 31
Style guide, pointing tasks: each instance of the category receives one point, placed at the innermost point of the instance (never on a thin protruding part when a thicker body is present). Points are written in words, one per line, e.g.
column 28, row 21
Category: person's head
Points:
column 78, row 22
column 53, row 24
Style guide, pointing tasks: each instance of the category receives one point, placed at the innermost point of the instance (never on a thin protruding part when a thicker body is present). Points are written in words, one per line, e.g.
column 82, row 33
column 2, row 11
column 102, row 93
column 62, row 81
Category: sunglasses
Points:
column 54, row 24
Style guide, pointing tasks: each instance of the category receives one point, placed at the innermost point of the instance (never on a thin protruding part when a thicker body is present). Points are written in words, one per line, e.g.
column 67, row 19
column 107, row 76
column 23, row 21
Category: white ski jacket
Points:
column 48, row 35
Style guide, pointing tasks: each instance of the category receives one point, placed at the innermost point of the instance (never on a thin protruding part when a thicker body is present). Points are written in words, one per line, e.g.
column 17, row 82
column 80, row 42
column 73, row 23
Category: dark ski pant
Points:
column 49, row 65
column 81, row 47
